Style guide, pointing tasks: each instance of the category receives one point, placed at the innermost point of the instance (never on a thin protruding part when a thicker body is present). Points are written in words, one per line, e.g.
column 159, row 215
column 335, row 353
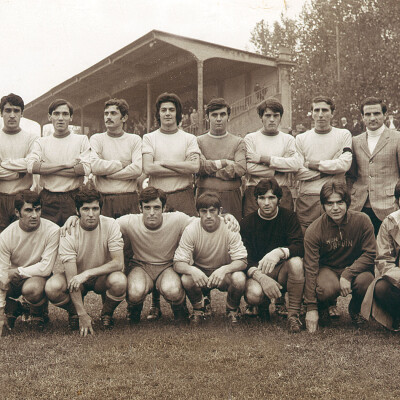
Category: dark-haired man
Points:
column 270, row 153
column 170, row 158
column 92, row 256
column 274, row 242
column 62, row 160
column 116, row 162
column 15, row 145
column 339, row 257
column 222, row 160
column 219, row 258
column 28, row 251
column 376, row 164
column 325, row 153
column 382, row 300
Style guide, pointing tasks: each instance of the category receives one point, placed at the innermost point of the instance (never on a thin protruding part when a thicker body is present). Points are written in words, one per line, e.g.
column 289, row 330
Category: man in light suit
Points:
column 376, row 164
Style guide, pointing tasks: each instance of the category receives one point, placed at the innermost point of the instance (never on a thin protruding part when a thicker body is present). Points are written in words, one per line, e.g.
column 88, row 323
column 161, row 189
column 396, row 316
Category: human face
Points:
column 335, row 207
column 322, row 116
column 209, row 218
column 89, row 214
column 267, row 204
column 60, row 118
column 168, row 116
column 113, row 119
column 271, row 121
column 29, row 217
column 218, row 121
column 373, row 116
column 11, row 117
column 152, row 214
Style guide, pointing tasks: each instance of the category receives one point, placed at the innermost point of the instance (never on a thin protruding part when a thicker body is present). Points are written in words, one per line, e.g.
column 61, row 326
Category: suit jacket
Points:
column 356, row 129
column 375, row 175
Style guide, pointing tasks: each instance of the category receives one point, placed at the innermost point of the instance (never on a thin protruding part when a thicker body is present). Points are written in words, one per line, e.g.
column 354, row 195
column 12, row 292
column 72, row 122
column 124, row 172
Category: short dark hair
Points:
column 121, row 104
column 216, row 104
column 397, row 190
column 27, row 196
column 266, row 184
column 335, row 187
column 371, row 101
column 207, row 200
column 165, row 98
column 271, row 103
column 151, row 193
column 324, row 99
column 58, row 103
column 86, row 194
column 13, row 99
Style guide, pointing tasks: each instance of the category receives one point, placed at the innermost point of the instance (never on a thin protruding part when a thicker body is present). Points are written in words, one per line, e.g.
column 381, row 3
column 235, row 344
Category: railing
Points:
column 239, row 107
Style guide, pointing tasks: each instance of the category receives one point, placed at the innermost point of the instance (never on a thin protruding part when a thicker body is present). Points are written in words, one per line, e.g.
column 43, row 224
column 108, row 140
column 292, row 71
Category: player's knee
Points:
column 54, row 287
column 381, row 290
column 254, row 294
column 296, row 269
column 117, row 283
column 187, row 282
column 238, row 280
column 326, row 292
column 33, row 292
column 172, row 290
column 362, row 282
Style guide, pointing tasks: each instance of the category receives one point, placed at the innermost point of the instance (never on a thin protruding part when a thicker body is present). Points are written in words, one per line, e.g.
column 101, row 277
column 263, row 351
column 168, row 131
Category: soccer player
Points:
column 116, row 162
column 274, row 242
column 62, row 161
column 222, row 160
column 219, row 258
column 92, row 256
column 170, row 158
column 270, row 153
column 326, row 155
column 382, row 300
column 339, row 257
column 15, row 145
column 28, row 250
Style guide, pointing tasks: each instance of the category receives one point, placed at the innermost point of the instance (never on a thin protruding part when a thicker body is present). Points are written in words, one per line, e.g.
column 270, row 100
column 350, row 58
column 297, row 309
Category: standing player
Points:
column 116, row 162
column 222, row 160
column 92, row 256
column 270, row 153
column 326, row 155
column 274, row 242
column 28, row 250
column 170, row 158
column 219, row 258
column 15, row 145
column 62, row 161
column 339, row 257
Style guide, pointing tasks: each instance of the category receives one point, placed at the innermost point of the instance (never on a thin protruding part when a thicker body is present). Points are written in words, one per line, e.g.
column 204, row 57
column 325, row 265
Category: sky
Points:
column 45, row 42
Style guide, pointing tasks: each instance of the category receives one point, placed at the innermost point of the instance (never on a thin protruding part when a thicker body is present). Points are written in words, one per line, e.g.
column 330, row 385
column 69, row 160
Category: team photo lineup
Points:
column 270, row 219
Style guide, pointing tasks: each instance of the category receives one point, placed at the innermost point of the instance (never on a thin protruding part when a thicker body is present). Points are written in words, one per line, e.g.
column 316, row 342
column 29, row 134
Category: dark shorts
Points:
column 231, row 201
column 117, row 205
column 58, row 206
column 182, row 200
column 308, row 209
column 7, row 210
column 250, row 204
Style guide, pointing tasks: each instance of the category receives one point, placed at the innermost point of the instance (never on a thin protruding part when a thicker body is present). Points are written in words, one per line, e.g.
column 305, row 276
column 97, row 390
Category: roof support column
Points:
column 200, row 108
column 82, row 122
column 148, row 98
column 284, row 88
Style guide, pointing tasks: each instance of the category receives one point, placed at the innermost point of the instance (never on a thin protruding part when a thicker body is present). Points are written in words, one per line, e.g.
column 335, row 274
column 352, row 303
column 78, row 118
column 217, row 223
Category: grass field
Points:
column 161, row 361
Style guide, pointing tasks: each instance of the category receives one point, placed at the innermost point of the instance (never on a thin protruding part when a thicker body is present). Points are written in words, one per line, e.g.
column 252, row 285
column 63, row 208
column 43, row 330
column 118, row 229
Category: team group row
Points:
column 170, row 157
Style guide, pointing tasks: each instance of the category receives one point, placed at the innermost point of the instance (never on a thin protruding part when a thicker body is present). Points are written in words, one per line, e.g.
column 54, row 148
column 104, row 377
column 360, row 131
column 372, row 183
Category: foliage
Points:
column 368, row 32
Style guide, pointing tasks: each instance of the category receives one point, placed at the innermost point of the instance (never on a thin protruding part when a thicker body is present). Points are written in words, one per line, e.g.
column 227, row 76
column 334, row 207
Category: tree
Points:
column 368, row 58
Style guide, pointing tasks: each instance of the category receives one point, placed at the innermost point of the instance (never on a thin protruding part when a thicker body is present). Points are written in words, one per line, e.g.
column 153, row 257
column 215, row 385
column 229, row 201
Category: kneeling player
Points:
column 28, row 250
column 219, row 259
column 93, row 259
column 274, row 241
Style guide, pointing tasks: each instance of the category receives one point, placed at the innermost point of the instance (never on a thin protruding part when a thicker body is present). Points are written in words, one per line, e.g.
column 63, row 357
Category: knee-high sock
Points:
column 295, row 288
